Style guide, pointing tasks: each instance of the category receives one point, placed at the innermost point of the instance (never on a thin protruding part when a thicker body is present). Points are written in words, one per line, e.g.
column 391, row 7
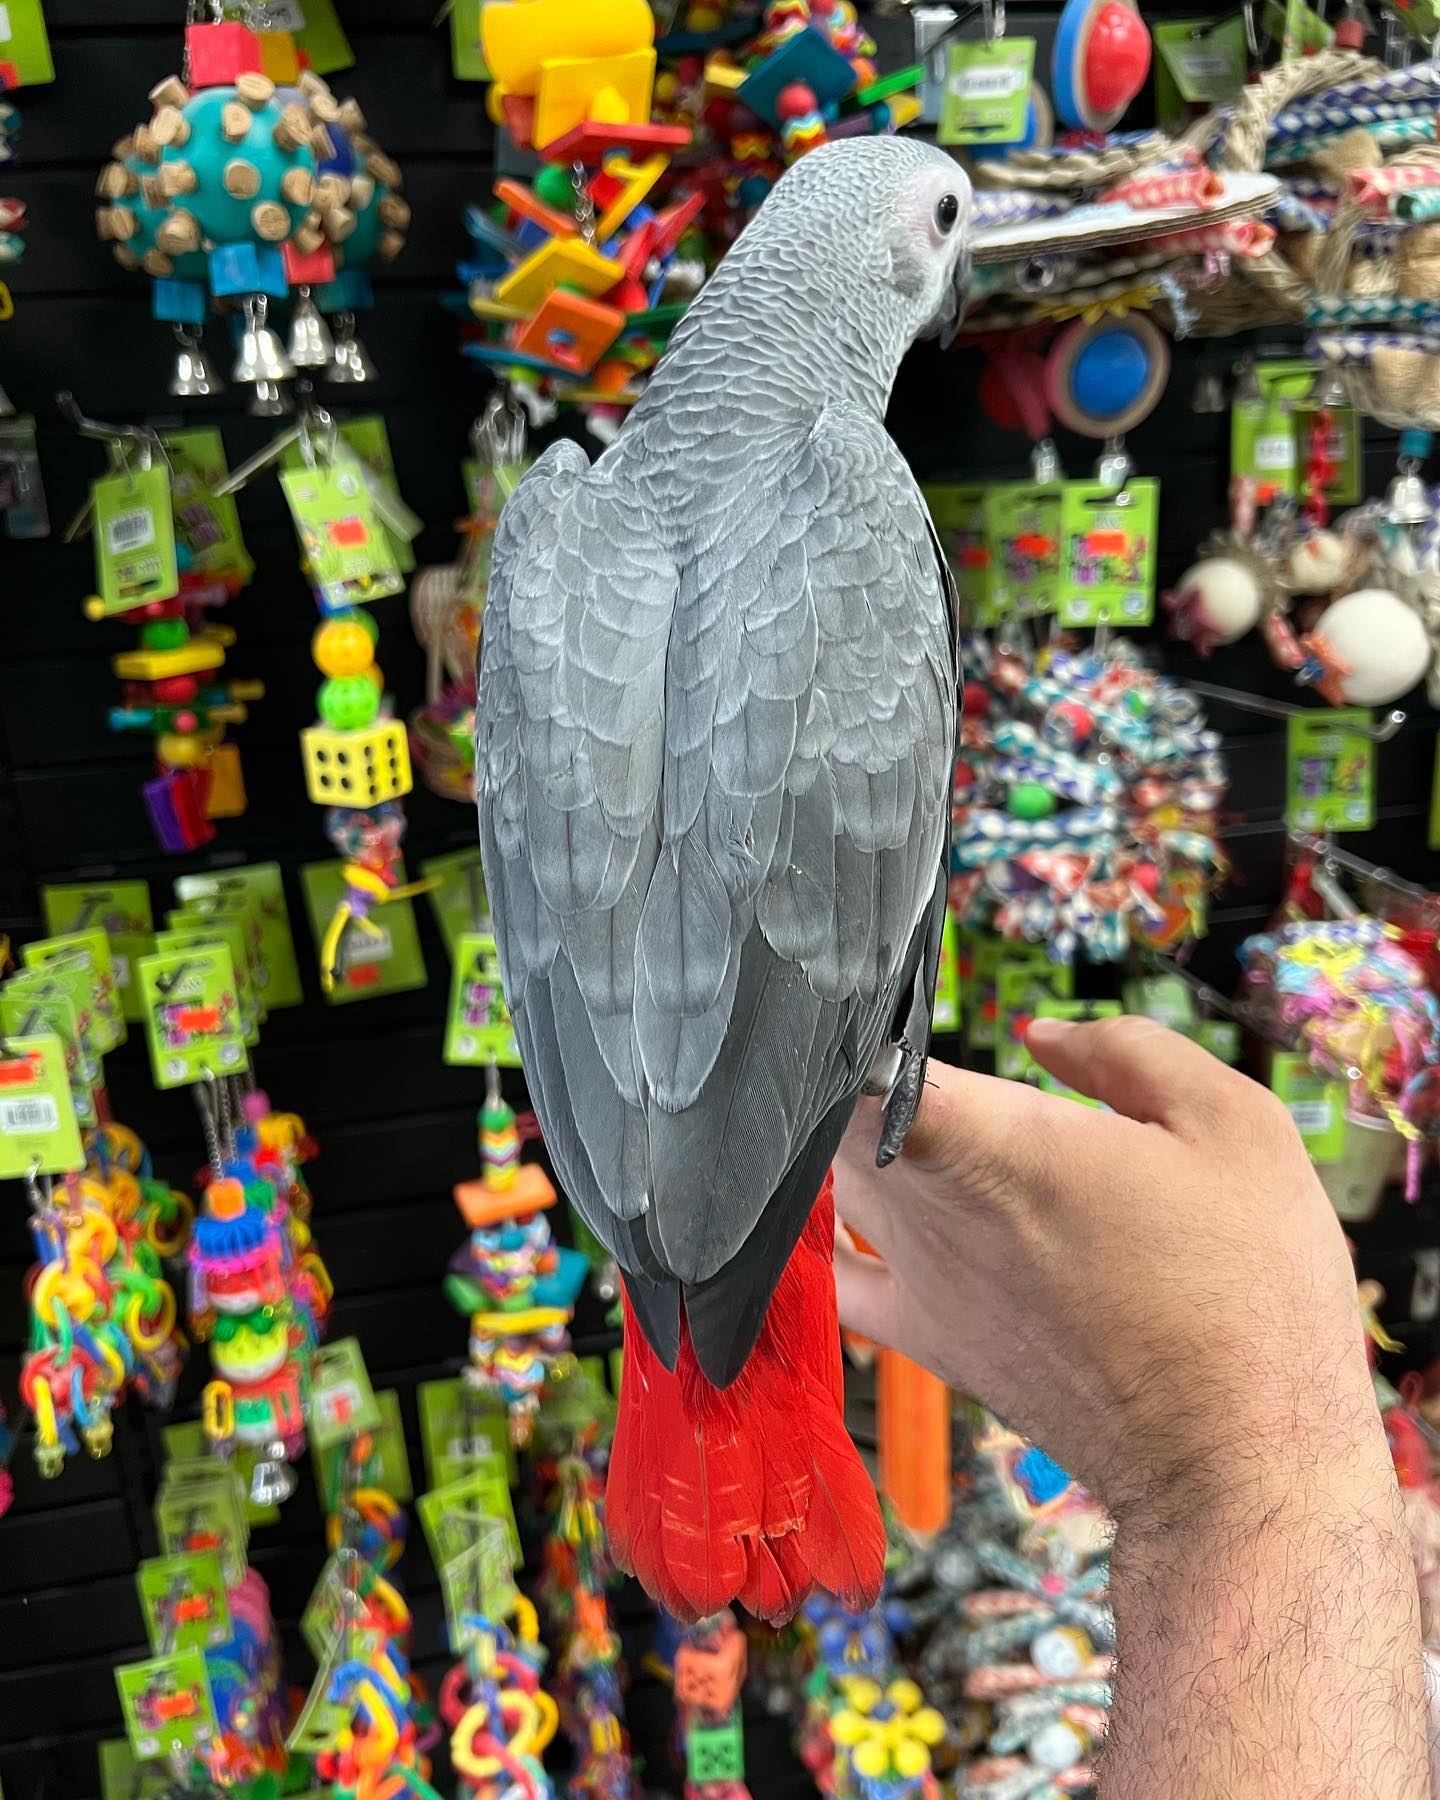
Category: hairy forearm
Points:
column 1270, row 1644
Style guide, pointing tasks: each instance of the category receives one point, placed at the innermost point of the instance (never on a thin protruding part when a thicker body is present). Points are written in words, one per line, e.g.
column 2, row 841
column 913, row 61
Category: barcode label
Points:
column 988, row 84
column 130, row 530
column 22, row 1117
column 1275, row 450
column 1311, row 1116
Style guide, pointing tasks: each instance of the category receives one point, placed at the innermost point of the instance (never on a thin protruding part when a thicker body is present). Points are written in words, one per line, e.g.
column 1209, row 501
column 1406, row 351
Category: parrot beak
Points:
column 952, row 311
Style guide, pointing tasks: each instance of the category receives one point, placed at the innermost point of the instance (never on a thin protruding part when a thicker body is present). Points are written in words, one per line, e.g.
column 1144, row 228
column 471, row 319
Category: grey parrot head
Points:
column 890, row 213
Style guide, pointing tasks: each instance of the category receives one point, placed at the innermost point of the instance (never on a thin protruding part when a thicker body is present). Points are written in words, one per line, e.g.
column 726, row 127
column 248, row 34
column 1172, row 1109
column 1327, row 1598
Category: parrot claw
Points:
column 884, row 1072
column 901, row 1105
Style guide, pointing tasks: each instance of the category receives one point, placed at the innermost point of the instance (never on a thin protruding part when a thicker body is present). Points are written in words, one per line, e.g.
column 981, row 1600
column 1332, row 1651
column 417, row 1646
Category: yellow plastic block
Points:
column 279, row 58
column 639, row 179
column 155, row 665
column 484, row 308
column 562, row 259
column 227, row 784
column 356, row 768
column 722, row 78
column 904, row 110
column 614, row 90
column 517, row 40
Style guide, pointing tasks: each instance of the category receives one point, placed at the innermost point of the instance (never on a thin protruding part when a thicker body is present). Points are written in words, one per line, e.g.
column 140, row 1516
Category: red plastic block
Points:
column 219, row 54
column 308, row 271
column 589, row 141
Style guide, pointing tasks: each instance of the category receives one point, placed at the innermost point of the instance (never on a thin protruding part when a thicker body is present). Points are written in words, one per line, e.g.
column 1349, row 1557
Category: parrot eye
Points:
column 947, row 211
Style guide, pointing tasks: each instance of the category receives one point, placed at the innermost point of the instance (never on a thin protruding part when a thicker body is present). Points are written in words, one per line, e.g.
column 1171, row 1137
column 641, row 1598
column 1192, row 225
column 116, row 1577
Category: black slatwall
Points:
column 396, row 1126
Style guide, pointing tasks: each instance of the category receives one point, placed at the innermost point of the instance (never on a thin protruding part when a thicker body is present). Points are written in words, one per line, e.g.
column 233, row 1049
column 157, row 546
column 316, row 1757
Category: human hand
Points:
column 1159, row 1295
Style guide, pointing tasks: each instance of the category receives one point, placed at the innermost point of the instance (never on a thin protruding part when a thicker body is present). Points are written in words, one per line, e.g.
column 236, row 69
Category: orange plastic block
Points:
column 521, row 200
column 571, row 331
column 530, row 1192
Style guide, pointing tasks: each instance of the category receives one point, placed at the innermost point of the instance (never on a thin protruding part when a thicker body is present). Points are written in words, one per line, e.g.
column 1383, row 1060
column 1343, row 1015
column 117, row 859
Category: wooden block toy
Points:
column 531, row 1191
column 562, row 259
column 571, row 330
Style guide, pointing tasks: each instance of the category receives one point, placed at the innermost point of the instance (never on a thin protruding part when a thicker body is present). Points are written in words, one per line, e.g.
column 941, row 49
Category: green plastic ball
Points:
column 164, row 634
column 348, row 702
column 1030, row 800
column 553, row 186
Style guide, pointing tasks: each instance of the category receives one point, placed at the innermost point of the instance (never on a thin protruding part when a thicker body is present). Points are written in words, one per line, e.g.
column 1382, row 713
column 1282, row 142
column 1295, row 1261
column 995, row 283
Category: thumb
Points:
column 1136, row 1067
column 864, row 1290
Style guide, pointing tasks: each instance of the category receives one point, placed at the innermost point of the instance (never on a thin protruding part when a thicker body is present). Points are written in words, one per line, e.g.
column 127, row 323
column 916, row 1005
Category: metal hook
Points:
column 1285, row 709
column 1356, row 865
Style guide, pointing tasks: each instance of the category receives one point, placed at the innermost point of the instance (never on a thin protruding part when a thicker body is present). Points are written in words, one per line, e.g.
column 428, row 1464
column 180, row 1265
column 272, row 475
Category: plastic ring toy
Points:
column 1102, row 379
column 151, row 1333
column 1101, row 59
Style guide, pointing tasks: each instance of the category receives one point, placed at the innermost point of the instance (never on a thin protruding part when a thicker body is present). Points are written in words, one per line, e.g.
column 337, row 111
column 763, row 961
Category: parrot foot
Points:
column 901, row 1105
column 884, row 1072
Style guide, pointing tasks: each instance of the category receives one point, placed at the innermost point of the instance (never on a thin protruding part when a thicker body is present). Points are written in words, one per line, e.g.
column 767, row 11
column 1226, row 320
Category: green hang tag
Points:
column 1108, row 573
column 323, row 1619
column 1221, row 1037
column 1316, row 1103
column 317, row 30
column 261, row 888
column 459, row 1424
column 459, row 901
column 387, row 1467
column 1020, row 988
column 25, row 59
column 201, row 1507
column 89, row 951
column 207, row 523
column 192, row 1015
column 68, row 985
column 981, row 956
column 167, row 1703
column 123, row 1778
column 23, row 1014
column 987, row 91
column 452, row 1515
column 479, row 1581
column 1023, row 534
column 229, row 935
column 183, row 1601
column 1166, row 999
column 958, row 512
column 478, row 1030
column 1297, row 28
column 387, row 961
column 467, row 59
column 946, row 1016
column 348, row 555
column 1077, row 1012
column 1196, row 67
column 370, row 441
column 187, row 1440
column 122, row 911
column 1329, row 771
column 37, row 1120
column 235, row 914
column 1287, row 407
column 134, row 533
column 342, row 1401
column 1419, row 17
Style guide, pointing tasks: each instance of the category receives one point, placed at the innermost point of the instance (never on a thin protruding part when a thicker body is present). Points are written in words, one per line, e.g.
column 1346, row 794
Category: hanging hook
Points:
column 1337, row 858
column 1285, row 709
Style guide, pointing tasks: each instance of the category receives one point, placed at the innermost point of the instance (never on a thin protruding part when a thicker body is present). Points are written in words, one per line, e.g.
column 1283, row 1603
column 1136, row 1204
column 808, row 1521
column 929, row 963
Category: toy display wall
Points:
column 395, row 1123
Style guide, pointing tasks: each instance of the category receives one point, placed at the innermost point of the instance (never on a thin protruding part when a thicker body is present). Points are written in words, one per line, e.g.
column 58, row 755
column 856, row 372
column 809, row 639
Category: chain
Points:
column 584, row 206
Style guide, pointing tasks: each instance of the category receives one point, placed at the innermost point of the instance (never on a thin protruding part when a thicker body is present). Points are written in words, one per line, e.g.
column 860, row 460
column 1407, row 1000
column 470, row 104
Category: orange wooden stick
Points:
column 914, row 1428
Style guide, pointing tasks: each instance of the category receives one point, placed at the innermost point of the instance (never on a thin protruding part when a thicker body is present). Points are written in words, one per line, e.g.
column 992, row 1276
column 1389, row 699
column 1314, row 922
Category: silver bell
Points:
column 269, row 400
column 311, row 346
column 1209, row 395
column 1114, row 467
column 1406, row 501
column 262, row 356
column 1045, row 463
column 1329, row 390
column 272, row 1480
column 352, row 364
column 193, row 377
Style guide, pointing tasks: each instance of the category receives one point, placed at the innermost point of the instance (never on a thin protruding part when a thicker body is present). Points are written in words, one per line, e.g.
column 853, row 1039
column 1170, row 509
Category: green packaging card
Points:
column 1263, row 444
column 89, row 951
column 1298, row 28
column 1316, row 1103
column 347, row 550
column 25, row 59
column 946, row 1016
column 370, row 441
column 480, row 1580
column 236, row 914
column 390, row 963
column 123, row 1778
column 387, row 1467
column 980, row 956
column 261, row 889
column 317, row 30
column 167, row 1703
column 192, row 1015
column 25, row 1014
column 478, row 1030
column 1109, row 556
column 134, row 532
column 207, row 523
column 37, row 1120
column 1330, row 771
column 322, row 1719
column 1023, row 532
column 1167, row 999
column 459, row 901
column 467, row 61
column 453, row 1516
column 342, row 1402
column 1221, row 1037
column 200, row 1507
column 1196, row 66
column 1077, row 1011
column 1287, row 388
column 183, row 1601
column 958, row 511
column 69, row 985
column 187, row 1441
column 1420, row 17
column 987, row 91
column 457, row 1425
column 323, row 1619
column 184, row 933
column 122, row 911
column 1020, row 989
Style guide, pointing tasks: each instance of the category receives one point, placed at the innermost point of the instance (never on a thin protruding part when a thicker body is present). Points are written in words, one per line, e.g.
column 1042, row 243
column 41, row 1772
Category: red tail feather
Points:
column 752, row 1492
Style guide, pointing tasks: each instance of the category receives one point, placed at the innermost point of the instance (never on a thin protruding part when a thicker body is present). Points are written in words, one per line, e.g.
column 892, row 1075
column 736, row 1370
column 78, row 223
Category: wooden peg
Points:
column 390, row 245
column 362, row 145
column 311, row 83
column 152, row 192
column 292, row 128
column 325, row 107
column 351, row 117
column 123, row 148
column 255, row 90
column 116, row 181
column 308, row 238
column 241, row 178
column 395, row 211
column 385, row 169
column 298, row 186
column 339, row 223
column 362, row 191
column 270, row 221
column 179, row 233
column 170, row 126
column 235, row 122
column 172, row 91
column 330, row 191
column 322, row 144
column 178, row 177
column 116, row 223
column 157, row 263
column 125, row 256
column 147, row 146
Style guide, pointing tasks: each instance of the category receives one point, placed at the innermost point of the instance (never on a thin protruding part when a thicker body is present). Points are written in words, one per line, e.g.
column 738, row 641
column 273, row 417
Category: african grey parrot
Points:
column 715, row 730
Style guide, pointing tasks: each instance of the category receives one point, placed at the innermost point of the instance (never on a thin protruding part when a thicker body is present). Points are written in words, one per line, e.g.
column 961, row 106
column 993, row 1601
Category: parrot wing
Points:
column 714, row 777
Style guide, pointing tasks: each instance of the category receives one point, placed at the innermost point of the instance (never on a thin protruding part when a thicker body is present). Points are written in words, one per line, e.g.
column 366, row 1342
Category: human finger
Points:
column 1138, row 1068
